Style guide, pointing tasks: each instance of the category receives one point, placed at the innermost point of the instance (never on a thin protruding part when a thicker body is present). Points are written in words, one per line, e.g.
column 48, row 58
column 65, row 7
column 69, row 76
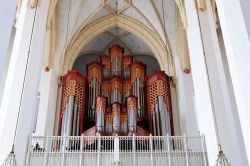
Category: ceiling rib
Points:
column 159, row 19
column 118, row 38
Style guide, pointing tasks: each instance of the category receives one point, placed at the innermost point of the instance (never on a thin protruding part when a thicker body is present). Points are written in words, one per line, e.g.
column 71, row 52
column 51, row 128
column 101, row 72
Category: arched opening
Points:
column 160, row 50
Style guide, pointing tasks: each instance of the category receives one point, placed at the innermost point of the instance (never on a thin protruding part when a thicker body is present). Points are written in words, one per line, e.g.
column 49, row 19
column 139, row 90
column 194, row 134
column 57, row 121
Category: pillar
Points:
column 21, row 90
column 234, row 26
column 225, row 112
column 200, row 81
column 7, row 16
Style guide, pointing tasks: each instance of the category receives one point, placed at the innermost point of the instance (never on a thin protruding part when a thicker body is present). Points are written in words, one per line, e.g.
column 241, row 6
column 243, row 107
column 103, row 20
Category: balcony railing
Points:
column 120, row 150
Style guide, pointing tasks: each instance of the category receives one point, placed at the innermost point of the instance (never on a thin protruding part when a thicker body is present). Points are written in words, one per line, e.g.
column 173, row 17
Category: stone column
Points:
column 7, row 16
column 226, row 115
column 21, row 90
column 204, row 105
column 235, row 26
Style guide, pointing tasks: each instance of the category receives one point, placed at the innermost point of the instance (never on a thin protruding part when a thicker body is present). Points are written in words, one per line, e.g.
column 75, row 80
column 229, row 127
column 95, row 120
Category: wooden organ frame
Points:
column 74, row 84
column 156, row 84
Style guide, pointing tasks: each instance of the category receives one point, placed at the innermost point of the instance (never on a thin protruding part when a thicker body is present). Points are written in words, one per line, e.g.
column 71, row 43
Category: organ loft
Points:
column 116, row 97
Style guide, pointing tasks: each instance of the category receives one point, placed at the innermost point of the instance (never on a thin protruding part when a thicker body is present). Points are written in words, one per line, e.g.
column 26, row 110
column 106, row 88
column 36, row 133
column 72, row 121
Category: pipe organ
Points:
column 94, row 80
column 120, row 99
column 159, row 104
column 138, row 71
column 71, row 121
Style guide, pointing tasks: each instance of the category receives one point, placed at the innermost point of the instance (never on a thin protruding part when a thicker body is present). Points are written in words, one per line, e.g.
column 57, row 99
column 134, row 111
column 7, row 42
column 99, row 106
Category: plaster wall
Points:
column 20, row 93
column 237, row 46
column 186, row 106
column 7, row 16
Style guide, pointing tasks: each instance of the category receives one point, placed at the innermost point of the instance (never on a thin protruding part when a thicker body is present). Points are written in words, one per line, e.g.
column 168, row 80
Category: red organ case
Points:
column 72, row 104
column 158, row 90
column 116, row 98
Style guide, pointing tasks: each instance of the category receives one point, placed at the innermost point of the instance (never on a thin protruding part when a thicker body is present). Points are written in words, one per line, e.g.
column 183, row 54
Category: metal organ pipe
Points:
column 157, row 114
column 154, row 123
column 94, row 94
column 74, row 122
column 78, row 124
column 132, row 120
column 69, row 117
column 100, row 121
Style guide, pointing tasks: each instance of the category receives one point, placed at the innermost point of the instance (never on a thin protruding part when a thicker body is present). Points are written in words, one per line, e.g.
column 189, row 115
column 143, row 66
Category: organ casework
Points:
column 116, row 98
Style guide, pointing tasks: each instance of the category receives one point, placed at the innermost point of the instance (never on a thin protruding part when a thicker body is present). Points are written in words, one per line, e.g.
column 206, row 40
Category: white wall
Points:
column 48, row 98
column 186, row 107
column 7, row 16
column 237, row 45
column 245, row 6
column 20, row 93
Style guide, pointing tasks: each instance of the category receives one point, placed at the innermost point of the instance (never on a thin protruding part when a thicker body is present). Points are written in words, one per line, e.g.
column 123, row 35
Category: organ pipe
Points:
column 159, row 104
column 137, row 81
column 100, row 113
column 72, row 104
column 121, row 82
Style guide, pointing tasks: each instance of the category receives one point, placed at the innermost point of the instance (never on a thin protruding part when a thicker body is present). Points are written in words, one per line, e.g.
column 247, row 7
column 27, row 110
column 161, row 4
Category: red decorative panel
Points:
column 101, row 103
column 158, row 85
column 73, row 84
column 106, row 87
column 138, row 70
column 95, row 70
column 126, row 86
column 116, row 83
column 105, row 60
column 124, row 117
column 116, row 51
column 131, row 102
column 109, row 118
column 116, row 109
column 127, row 61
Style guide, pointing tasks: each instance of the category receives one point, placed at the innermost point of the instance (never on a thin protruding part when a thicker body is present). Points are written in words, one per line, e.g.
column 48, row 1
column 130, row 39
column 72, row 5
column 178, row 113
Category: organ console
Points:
column 116, row 97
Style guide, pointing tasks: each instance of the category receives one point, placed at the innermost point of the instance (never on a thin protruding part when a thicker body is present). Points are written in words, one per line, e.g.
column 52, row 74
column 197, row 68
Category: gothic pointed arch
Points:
column 85, row 34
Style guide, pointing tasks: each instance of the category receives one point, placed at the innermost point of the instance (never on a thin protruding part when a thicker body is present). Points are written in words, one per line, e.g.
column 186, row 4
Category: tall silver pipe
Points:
column 100, row 121
column 132, row 120
column 78, row 124
column 138, row 92
column 74, row 123
column 154, row 123
column 65, row 118
column 115, row 95
column 69, row 118
column 90, row 99
column 168, row 124
column 162, row 110
column 93, row 94
column 157, row 119
column 63, row 124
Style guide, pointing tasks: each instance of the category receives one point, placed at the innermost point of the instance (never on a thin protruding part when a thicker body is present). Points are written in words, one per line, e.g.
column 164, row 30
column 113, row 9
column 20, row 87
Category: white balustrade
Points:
column 133, row 150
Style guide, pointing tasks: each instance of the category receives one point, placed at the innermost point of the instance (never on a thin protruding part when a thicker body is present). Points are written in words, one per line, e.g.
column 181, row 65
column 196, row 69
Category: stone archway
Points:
column 84, row 35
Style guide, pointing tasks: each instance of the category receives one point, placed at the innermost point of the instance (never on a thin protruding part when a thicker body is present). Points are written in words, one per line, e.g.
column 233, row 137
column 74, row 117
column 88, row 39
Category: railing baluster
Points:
column 169, row 153
column 134, row 147
column 151, row 149
column 46, row 151
column 81, row 150
column 186, row 150
column 98, row 150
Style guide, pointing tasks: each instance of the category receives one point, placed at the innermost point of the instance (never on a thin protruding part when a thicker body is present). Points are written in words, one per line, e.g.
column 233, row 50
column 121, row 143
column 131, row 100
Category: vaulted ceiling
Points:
column 158, row 15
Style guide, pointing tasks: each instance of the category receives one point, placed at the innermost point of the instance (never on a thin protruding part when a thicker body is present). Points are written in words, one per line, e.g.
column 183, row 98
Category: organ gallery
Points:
column 116, row 97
